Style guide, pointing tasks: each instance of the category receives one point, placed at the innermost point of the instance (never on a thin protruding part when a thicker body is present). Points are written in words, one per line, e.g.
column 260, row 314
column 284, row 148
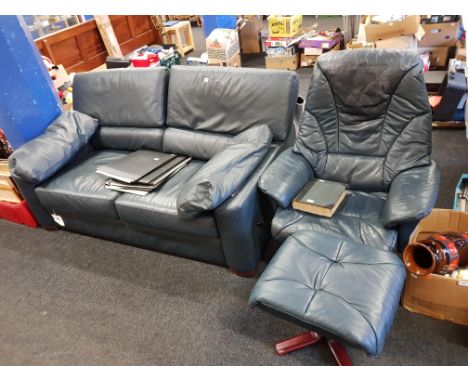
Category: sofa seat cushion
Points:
column 339, row 288
column 158, row 209
column 80, row 190
column 358, row 218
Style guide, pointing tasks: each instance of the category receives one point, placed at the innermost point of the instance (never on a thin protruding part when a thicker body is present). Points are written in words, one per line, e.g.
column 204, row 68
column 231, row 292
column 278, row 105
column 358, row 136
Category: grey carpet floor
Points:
column 68, row 299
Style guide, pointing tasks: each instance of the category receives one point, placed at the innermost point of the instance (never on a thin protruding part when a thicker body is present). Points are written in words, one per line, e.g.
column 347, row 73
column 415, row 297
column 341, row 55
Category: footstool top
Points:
column 338, row 288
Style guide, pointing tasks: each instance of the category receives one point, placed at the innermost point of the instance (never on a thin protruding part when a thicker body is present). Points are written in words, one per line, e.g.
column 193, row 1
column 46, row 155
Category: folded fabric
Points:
column 42, row 157
column 225, row 172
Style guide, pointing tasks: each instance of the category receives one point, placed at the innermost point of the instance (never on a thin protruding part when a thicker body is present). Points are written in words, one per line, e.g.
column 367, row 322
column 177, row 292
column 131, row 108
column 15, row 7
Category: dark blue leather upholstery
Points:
column 367, row 123
column 336, row 287
column 78, row 189
column 358, row 218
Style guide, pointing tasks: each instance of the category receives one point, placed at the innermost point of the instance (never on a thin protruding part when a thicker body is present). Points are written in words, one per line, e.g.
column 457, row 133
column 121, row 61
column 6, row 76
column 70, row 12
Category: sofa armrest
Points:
column 224, row 173
column 412, row 195
column 286, row 177
column 240, row 221
column 40, row 158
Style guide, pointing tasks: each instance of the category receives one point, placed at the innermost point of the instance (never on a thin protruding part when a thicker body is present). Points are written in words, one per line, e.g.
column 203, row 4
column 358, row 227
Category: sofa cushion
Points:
column 122, row 97
column 128, row 138
column 336, row 287
column 43, row 156
column 223, row 174
column 158, row 209
column 230, row 100
column 78, row 189
column 358, row 218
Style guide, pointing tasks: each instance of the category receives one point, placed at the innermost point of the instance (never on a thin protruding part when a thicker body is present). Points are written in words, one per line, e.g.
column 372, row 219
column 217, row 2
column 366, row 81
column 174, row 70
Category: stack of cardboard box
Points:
column 432, row 36
column 281, row 42
column 440, row 38
column 312, row 47
column 222, row 46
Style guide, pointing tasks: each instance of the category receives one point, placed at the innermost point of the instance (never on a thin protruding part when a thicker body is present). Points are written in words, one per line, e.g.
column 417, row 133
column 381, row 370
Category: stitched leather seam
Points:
column 336, row 107
column 390, row 101
column 357, row 310
column 287, row 225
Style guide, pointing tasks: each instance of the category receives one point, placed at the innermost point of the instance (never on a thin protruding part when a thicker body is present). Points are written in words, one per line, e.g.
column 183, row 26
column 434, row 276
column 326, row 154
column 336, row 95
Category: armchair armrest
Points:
column 412, row 195
column 286, row 177
column 40, row 158
column 224, row 173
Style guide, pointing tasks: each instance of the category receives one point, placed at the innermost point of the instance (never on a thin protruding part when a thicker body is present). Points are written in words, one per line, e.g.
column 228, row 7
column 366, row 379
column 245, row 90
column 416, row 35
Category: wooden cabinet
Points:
column 80, row 48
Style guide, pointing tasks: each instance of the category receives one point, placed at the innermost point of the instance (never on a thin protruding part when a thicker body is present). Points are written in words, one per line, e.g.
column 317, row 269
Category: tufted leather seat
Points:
column 336, row 287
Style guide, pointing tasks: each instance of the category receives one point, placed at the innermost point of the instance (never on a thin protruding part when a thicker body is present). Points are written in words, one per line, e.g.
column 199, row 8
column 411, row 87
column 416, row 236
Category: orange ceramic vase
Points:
column 442, row 253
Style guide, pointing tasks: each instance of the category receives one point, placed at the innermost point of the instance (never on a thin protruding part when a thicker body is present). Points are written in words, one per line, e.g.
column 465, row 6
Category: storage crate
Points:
column 284, row 26
column 168, row 61
column 17, row 213
column 222, row 44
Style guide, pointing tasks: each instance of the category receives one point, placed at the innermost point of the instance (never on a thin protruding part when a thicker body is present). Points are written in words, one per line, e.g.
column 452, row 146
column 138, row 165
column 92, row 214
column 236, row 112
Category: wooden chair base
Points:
column 306, row 339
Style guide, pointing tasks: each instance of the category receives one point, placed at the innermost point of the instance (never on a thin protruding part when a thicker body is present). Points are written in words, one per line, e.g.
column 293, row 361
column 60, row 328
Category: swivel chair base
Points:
column 303, row 340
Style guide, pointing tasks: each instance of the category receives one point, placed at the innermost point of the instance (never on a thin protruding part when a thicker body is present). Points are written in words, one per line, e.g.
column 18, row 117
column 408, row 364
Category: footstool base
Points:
column 306, row 339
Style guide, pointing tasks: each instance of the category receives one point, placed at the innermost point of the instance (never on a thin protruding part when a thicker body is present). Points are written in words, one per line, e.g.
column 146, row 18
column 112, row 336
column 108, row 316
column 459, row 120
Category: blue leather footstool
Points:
column 338, row 289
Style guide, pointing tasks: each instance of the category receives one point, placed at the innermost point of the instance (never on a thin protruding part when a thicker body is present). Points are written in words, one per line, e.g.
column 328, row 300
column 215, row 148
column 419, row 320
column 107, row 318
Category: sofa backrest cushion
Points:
column 230, row 100
column 123, row 97
column 367, row 117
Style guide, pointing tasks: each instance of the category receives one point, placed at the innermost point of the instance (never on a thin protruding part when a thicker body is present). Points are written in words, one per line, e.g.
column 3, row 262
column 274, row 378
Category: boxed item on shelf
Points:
column 409, row 25
column 322, row 41
column 288, row 63
column 222, row 44
column 440, row 34
column 281, row 51
column 284, row 26
column 437, row 296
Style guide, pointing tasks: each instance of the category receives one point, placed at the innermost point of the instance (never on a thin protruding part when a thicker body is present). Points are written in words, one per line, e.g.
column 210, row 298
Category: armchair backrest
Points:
column 130, row 105
column 367, row 117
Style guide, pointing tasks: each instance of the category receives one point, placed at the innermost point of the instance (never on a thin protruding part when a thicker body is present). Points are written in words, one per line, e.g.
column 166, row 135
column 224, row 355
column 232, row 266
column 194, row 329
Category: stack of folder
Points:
column 141, row 171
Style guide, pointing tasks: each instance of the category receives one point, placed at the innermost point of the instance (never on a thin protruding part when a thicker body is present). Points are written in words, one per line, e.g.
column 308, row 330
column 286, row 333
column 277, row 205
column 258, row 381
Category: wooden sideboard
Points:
column 80, row 48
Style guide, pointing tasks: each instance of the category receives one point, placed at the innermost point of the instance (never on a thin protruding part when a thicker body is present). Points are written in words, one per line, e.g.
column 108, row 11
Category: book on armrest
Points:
column 320, row 197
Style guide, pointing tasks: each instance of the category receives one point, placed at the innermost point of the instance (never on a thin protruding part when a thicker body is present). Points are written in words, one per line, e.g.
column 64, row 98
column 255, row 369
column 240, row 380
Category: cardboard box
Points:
column 249, row 35
column 308, row 60
column 320, row 42
column 441, row 34
column 222, row 44
column 436, row 296
column 234, row 61
column 408, row 26
column 288, row 63
column 398, row 42
column 438, row 55
column 356, row 44
column 284, row 26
